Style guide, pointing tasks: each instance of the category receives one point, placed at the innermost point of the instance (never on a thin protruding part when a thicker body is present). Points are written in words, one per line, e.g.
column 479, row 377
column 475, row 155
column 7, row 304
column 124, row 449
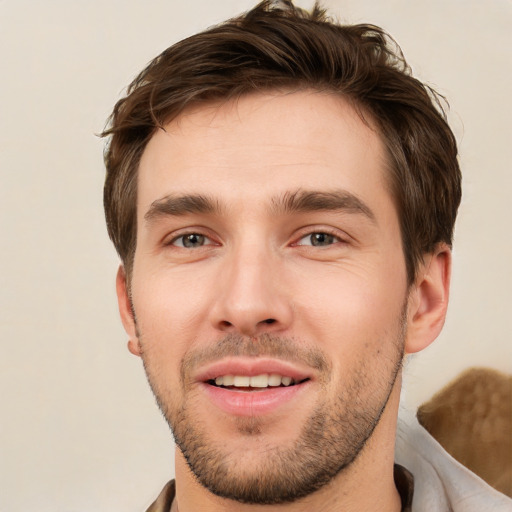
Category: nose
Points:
column 252, row 296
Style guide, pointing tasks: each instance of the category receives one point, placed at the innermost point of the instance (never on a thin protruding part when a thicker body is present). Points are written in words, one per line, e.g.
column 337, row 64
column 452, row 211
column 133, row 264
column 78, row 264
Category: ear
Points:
column 428, row 300
column 126, row 311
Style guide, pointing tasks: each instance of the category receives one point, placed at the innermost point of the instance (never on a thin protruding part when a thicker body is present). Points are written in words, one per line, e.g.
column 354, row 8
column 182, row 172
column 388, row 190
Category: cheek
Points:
column 169, row 311
column 350, row 312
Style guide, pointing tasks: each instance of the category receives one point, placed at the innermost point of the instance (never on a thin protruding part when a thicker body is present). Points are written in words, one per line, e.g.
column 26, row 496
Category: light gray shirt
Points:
column 441, row 484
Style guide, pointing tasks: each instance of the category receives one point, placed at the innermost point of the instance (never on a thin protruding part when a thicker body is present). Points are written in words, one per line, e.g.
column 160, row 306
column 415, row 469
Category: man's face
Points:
column 268, row 254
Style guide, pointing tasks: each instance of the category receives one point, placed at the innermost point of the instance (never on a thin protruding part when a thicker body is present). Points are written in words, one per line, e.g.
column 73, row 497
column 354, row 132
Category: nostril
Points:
column 247, row 328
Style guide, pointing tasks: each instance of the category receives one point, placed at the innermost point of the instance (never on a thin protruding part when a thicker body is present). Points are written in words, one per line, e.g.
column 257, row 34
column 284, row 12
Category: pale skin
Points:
column 255, row 268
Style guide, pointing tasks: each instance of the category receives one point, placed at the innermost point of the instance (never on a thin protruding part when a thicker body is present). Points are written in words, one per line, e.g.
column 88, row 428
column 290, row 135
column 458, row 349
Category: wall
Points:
column 79, row 430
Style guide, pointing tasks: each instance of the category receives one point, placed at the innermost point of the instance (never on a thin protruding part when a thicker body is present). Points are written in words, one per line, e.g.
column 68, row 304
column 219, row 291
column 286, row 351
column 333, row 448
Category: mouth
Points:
column 253, row 387
column 245, row 383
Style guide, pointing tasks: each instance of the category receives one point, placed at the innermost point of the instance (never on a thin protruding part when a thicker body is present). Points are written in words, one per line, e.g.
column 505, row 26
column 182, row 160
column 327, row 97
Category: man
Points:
column 282, row 194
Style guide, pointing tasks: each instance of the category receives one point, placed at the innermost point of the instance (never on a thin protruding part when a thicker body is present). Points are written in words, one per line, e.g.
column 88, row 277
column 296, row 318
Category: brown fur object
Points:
column 472, row 419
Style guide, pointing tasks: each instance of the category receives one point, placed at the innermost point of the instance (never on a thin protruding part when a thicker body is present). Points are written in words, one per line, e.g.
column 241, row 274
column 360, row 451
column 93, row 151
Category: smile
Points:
column 263, row 381
column 253, row 386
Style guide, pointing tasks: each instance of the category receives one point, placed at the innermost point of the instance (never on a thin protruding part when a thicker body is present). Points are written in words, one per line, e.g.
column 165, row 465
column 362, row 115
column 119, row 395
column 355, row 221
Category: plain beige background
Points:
column 79, row 430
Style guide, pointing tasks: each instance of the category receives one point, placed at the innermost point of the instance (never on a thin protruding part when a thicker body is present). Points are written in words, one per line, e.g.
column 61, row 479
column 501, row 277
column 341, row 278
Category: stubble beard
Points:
column 330, row 440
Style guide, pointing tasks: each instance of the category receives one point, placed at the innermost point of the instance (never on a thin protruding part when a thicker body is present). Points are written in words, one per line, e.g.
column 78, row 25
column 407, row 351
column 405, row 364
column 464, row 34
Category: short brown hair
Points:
column 279, row 46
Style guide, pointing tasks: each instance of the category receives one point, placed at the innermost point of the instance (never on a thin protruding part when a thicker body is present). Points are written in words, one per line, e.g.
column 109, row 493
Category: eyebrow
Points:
column 180, row 205
column 336, row 200
column 299, row 201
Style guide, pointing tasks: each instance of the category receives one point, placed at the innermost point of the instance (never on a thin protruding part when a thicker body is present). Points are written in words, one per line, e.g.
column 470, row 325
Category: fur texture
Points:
column 472, row 419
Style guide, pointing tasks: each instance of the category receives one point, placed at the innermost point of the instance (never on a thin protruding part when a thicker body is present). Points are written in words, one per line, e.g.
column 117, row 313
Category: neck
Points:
column 365, row 486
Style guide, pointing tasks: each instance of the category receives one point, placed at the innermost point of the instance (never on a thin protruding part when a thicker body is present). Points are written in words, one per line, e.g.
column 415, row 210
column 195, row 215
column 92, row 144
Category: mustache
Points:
column 264, row 345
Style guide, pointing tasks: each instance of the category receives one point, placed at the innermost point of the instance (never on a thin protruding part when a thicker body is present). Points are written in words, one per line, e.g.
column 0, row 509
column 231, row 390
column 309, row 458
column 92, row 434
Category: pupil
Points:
column 321, row 239
column 193, row 240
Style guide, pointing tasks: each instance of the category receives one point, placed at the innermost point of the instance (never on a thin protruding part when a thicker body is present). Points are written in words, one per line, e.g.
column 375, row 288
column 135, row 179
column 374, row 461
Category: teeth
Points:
column 286, row 381
column 258, row 381
column 242, row 381
column 227, row 380
column 274, row 380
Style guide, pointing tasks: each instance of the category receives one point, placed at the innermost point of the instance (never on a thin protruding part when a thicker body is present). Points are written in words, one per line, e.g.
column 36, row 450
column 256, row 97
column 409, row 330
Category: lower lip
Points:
column 252, row 403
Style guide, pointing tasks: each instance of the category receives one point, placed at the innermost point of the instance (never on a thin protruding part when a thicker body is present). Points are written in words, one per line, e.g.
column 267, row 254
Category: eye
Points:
column 191, row 241
column 318, row 239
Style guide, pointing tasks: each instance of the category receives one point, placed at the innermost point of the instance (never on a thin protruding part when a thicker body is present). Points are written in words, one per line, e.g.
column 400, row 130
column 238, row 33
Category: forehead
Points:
column 263, row 145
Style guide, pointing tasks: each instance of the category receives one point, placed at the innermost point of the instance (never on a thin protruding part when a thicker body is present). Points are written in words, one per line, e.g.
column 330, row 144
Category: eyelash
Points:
column 306, row 234
column 337, row 238
column 183, row 236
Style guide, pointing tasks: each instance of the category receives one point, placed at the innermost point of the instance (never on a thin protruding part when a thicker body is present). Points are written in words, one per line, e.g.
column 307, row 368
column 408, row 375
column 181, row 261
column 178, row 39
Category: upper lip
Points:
column 250, row 367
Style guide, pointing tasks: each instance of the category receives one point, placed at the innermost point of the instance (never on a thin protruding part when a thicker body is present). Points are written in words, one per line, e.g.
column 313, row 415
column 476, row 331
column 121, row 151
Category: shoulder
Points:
column 440, row 482
column 164, row 501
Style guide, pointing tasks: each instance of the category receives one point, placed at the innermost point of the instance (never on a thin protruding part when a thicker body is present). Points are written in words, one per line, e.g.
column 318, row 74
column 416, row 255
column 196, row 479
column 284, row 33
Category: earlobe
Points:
column 126, row 311
column 428, row 300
